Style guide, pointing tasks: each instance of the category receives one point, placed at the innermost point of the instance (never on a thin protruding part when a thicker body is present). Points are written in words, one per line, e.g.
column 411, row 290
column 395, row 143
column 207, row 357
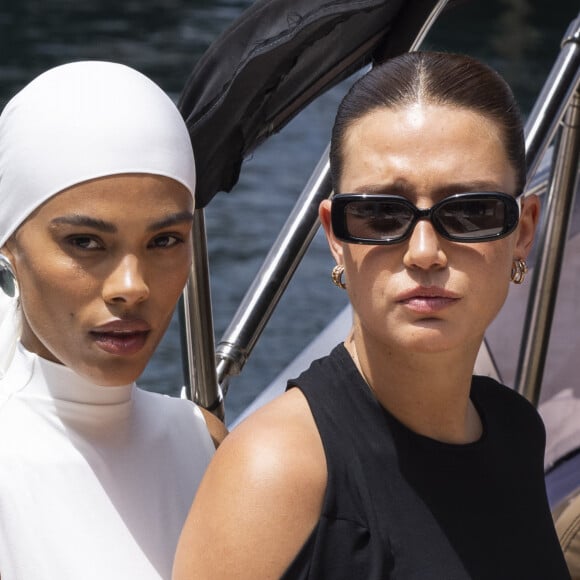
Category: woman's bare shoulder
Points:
column 283, row 425
column 261, row 496
column 278, row 445
column 292, row 408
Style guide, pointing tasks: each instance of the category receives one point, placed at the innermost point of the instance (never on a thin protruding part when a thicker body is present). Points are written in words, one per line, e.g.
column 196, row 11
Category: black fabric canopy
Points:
column 272, row 62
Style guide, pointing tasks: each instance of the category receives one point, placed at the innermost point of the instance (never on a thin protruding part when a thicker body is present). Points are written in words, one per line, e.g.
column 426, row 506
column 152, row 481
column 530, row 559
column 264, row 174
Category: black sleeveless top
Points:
column 399, row 505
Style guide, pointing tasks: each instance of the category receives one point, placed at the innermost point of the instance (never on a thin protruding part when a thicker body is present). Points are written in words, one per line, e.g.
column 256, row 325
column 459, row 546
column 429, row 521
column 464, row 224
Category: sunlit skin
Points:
column 427, row 301
column 101, row 266
column 420, row 311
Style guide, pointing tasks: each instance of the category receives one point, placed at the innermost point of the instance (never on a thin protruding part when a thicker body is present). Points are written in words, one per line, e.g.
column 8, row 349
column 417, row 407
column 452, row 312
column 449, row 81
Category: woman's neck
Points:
column 427, row 392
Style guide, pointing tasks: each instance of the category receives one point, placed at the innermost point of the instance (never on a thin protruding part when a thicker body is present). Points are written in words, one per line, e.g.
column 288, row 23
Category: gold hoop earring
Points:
column 336, row 276
column 519, row 271
column 8, row 282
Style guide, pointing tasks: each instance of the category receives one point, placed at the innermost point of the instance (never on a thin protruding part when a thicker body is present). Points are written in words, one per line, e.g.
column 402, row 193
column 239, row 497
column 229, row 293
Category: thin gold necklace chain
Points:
column 350, row 346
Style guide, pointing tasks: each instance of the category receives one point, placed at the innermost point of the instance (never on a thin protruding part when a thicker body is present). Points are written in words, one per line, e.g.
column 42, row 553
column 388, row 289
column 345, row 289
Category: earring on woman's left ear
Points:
column 8, row 282
column 336, row 276
column 519, row 270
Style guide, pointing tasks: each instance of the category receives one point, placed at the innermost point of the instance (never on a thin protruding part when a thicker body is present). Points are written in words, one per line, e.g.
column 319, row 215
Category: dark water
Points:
column 163, row 40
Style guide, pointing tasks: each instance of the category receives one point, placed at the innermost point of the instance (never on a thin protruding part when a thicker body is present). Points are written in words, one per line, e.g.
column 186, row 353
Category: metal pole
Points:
column 197, row 334
column 271, row 281
column 427, row 25
column 554, row 98
column 553, row 101
column 546, row 276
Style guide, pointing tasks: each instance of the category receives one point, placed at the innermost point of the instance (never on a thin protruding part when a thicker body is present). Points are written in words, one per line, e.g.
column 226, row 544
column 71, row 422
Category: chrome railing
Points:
column 551, row 242
column 272, row 280
column 556, row 113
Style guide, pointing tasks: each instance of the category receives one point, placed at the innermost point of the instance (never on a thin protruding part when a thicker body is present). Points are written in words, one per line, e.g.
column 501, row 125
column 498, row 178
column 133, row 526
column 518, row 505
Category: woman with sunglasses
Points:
column 97, row 179
column 387, row 458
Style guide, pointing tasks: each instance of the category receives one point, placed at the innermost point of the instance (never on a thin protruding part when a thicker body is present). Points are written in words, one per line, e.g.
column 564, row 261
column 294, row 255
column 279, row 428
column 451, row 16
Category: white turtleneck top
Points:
column 95, row 482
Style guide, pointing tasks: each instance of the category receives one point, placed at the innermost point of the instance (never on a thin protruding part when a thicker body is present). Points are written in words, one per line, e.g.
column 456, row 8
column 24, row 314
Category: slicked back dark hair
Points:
column 437, row 78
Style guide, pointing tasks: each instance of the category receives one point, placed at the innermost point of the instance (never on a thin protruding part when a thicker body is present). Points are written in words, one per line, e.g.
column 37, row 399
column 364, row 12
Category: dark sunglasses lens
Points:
column 377, row 220
column 475, row 218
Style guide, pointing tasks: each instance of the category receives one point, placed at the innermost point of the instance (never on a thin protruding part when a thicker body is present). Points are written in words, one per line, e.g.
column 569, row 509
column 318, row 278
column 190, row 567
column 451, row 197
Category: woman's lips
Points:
column 120, row 343
column 121, row 337
column 427, row 300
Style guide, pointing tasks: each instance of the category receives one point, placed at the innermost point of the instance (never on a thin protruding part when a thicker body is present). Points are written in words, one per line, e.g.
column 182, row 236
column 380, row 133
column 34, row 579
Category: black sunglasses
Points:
column 376, row 218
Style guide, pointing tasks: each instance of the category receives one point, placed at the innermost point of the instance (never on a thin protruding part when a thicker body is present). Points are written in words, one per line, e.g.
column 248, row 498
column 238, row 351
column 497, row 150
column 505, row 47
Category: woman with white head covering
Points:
column 97, row 179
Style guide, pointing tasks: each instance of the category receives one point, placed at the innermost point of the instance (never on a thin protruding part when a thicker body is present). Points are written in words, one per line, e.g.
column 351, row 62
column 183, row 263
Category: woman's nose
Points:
column 126, row 283
column 424, row 248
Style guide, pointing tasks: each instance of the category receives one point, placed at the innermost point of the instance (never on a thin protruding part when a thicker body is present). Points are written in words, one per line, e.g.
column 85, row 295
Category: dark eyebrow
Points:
column 85, row 221
column 402, row 187
column 476, row 185
column 398, row 187
column 109, row 228
column 171, row 220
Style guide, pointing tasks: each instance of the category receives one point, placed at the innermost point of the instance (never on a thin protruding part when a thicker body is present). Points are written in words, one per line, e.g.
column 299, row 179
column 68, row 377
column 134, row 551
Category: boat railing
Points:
column 555, row 117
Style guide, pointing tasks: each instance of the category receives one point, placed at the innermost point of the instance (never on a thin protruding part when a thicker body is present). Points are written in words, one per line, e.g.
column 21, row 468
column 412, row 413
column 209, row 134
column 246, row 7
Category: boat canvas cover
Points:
column 276, row 58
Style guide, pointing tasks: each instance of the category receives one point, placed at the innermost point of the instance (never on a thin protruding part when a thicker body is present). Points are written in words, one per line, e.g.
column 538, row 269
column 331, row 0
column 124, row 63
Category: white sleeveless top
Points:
column 95, row 482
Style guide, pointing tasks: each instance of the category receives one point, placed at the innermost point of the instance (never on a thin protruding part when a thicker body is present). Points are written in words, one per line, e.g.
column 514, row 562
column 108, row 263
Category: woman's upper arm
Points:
column 259, row 500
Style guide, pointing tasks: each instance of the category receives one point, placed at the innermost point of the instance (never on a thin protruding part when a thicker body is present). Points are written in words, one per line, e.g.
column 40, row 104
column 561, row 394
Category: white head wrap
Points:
column 77, row 122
